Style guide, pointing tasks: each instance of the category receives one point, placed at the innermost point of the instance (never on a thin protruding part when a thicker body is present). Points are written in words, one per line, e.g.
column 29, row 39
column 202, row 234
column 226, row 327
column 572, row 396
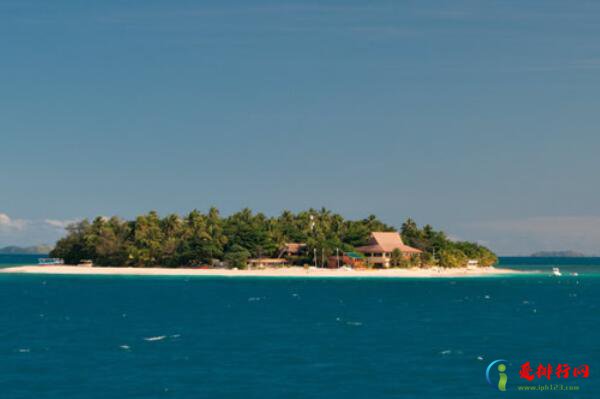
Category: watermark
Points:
column 497, row 375
column 498, row 366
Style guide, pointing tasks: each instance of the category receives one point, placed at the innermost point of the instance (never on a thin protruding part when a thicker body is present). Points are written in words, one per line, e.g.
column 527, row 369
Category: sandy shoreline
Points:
column 271, row 272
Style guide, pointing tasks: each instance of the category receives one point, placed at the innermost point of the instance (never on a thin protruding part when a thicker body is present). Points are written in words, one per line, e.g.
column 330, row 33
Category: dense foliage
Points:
column 199, row 238
column 442, row 250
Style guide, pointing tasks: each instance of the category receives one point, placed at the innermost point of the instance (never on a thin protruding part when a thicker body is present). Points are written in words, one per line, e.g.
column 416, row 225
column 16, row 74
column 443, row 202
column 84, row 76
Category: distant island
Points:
column 312, row 238
column 558, row 254
column 33, row 250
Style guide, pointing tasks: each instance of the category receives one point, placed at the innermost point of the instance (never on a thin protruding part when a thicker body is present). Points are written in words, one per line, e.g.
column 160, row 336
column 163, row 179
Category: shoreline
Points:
column 267, row 272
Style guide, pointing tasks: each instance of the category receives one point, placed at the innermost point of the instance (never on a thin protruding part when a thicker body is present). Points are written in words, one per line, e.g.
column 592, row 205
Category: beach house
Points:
column 381, row 244
column 293, row 249
column 294, row 252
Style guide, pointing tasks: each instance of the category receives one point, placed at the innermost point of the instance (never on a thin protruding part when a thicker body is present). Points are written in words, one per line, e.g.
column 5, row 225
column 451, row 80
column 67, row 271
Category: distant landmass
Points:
column 37, row 249
column 558, row 254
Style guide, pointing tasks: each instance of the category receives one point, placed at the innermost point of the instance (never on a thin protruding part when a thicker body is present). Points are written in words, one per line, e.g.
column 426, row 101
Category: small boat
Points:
column 556, row 272
column 50, row 261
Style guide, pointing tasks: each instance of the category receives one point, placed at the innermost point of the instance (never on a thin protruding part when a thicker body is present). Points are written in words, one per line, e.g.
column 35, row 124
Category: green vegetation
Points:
column 397, row 260
column 237, row 256
column 199, row 239
column 443, row 251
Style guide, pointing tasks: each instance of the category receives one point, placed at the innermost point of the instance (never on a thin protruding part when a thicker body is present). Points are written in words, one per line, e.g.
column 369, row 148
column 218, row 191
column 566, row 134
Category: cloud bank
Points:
column 523, row 236
column 25, row 232
column 8, row 224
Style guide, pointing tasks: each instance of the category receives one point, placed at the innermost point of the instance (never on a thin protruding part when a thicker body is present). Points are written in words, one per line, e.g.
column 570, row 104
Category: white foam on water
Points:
column 125, row 347
column 451, row 352
column 24, row 350
column 354, row 323
column 157, row 338
column 254, row 298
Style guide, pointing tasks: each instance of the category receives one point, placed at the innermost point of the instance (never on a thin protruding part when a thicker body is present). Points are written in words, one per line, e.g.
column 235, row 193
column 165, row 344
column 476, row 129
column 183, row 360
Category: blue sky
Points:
column 480, row 118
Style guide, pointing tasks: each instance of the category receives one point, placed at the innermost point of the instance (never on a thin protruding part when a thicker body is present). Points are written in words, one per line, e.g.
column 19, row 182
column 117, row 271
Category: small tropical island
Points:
column 312, row 242
column 32, row 250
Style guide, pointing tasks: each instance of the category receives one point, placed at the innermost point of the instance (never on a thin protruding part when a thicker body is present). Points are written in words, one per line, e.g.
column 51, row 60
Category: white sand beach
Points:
column 268, row 272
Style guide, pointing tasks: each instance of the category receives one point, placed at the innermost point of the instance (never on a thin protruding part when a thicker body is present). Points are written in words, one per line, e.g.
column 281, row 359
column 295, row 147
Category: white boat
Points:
column 50, row 261
column 556, row 271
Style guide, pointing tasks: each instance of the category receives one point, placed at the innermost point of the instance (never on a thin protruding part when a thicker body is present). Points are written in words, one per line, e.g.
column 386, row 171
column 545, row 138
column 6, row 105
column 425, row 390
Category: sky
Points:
column 480, row 118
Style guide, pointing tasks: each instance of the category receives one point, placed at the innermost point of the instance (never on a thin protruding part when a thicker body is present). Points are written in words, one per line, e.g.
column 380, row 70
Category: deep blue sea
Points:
column 215, row 337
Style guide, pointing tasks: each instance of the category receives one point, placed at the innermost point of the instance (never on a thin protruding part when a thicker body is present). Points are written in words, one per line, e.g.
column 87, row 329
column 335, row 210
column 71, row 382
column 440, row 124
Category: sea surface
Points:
column 221, row 337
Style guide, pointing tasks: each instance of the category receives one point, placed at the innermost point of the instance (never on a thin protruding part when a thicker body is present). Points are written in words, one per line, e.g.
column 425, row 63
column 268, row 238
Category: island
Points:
column 307, row 243
column 32, row 250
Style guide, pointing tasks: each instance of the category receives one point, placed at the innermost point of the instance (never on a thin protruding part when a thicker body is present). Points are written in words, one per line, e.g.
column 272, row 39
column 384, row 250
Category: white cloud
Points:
column 26, row 232
column 60, row 224
column 453, row 237
column 7, row 223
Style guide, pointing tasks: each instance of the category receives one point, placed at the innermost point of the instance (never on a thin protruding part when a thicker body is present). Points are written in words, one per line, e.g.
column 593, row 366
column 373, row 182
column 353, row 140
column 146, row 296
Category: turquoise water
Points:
column 583, row 266
column 210, row 337
column 16, row 260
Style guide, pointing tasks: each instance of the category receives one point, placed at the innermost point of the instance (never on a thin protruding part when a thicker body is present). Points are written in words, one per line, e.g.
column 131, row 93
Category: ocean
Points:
column 222, row 337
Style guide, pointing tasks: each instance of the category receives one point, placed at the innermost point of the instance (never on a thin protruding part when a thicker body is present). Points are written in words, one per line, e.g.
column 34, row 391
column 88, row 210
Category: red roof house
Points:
column 382, row 244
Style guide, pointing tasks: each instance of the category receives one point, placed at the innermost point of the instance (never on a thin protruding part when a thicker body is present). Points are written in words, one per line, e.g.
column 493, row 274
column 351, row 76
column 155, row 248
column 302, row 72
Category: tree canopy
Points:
column 208, row 238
